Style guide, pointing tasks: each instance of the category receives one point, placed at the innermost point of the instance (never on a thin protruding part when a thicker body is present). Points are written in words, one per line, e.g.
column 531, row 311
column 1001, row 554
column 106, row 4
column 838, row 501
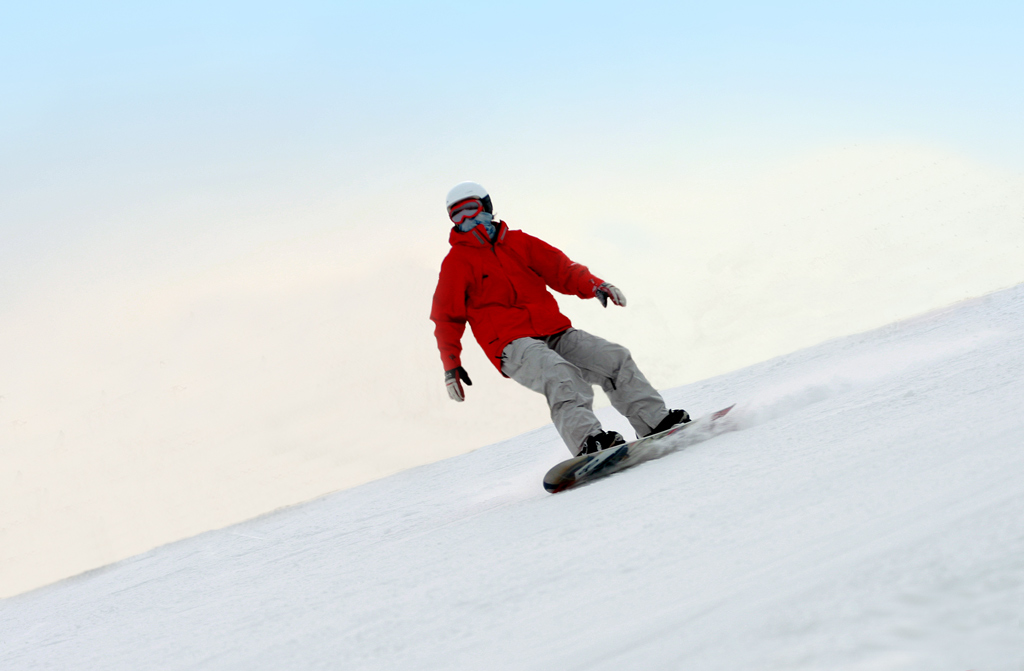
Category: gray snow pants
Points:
column 564, row 367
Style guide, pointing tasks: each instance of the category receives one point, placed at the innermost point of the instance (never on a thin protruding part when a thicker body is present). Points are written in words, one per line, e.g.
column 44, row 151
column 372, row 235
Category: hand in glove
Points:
column 606, row 291
column 453, row 380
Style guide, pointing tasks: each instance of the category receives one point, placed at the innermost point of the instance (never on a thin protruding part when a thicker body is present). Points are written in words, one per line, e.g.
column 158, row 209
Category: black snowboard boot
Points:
column 601, row 441
column 674, row 417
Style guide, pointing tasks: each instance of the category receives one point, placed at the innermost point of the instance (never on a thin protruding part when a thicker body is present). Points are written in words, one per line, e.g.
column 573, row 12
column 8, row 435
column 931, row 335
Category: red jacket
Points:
column 501, row 290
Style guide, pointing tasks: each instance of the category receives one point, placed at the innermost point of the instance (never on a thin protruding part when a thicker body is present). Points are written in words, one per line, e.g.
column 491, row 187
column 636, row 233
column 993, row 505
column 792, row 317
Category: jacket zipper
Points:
column 515, row 294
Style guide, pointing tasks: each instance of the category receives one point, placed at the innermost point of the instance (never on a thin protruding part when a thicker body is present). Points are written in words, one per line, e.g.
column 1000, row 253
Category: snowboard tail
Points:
column 580, row 470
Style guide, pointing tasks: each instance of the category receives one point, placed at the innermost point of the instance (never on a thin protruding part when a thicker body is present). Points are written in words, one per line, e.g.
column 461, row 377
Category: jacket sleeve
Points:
column 448, row 311
column 560, row 272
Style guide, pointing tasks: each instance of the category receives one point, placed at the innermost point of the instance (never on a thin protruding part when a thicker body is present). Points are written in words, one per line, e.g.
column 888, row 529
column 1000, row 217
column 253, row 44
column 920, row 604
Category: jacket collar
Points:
column 477, row 237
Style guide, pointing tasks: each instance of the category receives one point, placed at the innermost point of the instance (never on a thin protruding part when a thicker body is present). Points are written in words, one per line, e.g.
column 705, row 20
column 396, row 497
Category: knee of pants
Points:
column 619, row 358
column 619, row 353
column 564, row 383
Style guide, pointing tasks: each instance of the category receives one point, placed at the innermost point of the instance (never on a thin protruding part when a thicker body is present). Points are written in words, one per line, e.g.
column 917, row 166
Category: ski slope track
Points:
column 869, row 515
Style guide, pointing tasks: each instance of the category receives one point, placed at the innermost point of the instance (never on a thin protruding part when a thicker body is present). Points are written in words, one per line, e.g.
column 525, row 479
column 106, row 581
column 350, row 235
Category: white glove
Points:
column 606, row 291
column 453, row 381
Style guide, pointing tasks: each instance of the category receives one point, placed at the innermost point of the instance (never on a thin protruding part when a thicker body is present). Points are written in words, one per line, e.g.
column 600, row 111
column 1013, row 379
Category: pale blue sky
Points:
column 112, row 113
column 139, row 127
column 106, row 88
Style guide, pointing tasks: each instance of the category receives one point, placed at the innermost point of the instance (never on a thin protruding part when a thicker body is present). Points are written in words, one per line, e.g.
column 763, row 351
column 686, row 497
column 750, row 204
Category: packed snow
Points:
column 867, row 516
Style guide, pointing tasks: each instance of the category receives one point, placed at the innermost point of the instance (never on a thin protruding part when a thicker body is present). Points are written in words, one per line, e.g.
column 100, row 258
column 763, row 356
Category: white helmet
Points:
column 464, row 190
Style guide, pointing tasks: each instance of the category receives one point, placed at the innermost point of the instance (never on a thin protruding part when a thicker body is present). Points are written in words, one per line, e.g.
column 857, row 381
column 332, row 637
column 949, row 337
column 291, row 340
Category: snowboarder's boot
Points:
column 674, row 417
column 601, row 441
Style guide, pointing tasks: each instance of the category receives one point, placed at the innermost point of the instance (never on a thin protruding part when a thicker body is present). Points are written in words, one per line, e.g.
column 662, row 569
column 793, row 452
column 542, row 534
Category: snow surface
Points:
column 868, row 516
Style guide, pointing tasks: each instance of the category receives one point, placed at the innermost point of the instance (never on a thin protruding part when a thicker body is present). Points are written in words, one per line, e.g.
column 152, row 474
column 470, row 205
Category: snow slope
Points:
column 869, row 516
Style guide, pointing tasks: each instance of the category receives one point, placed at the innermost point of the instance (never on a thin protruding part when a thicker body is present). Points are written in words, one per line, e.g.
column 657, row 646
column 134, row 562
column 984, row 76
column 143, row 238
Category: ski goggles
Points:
column 465, row 210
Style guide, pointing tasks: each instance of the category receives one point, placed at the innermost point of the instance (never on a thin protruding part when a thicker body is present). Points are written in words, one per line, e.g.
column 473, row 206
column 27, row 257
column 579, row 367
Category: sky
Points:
column 222, row 223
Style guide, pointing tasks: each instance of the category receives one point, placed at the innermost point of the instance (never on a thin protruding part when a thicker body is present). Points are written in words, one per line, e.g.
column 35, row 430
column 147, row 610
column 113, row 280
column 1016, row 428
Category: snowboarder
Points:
column 496, row 279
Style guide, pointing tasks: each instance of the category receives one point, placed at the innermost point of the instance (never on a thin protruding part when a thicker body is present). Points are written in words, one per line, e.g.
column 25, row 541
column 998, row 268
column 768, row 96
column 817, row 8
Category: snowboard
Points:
column 580, row 470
